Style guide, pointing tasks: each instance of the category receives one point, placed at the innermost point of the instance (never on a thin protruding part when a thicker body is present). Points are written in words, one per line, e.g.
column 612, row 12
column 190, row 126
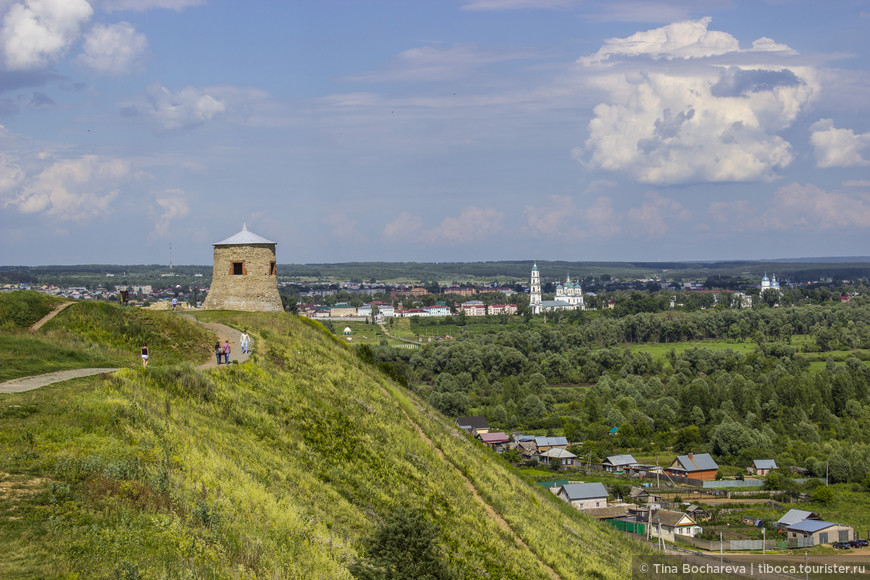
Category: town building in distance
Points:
column 569, row 295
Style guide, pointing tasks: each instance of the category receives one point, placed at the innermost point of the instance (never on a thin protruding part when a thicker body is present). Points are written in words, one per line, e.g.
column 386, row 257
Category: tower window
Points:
column 238, row 269
column 273, row 268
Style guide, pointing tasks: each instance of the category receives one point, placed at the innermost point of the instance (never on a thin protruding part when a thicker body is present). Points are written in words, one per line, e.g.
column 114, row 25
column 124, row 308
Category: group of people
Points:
column 220, row 351
column 223, row 351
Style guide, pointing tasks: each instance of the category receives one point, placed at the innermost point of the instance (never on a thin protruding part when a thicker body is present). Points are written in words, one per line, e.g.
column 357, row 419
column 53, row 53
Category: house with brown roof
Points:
column 696, row 466
column 495, row 441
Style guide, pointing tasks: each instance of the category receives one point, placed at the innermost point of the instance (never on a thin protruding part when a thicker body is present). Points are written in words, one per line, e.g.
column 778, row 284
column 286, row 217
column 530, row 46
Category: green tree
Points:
column 403, row 547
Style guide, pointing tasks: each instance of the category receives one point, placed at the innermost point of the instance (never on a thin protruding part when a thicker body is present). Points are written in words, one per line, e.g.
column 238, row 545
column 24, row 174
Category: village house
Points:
column 546, row 443
column 527, row 449
column 762, row 467
column 473, row 425
column 584, row 495
column 563, row 456
column 820, row 531
column 794, row 516
column 668, row 524
column 698, row 513
column 437, row 310
column 496, row 441
column 617, row 463
column 700, row 466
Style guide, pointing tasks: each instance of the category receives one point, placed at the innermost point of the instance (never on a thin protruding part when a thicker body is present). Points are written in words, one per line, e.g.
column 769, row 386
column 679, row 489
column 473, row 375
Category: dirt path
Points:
column 23, row 384
column 223, row 332
column 408, row 340
column 57, row 309
column 494, row 515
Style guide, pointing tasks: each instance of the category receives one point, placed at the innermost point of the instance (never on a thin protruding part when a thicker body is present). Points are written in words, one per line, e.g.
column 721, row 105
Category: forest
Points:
column 790, row 383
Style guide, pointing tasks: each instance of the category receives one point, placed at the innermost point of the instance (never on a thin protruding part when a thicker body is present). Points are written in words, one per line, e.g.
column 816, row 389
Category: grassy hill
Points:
column 90, row 334
column 277, row 468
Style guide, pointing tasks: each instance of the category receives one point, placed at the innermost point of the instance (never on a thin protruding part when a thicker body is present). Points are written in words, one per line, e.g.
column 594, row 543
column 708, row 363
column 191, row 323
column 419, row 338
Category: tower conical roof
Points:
column 243, row 237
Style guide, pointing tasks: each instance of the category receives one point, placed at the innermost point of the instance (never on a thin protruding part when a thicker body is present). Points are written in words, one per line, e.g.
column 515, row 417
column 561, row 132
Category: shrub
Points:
column 823, row 495
column 403, row 546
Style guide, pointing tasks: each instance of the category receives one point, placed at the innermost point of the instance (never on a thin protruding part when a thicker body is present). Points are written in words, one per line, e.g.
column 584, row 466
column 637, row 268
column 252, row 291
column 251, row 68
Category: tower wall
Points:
column 255, row 289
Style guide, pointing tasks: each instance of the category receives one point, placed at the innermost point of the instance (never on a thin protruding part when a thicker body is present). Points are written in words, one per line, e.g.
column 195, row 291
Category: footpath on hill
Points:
column 57, row 309
column 23, row 384
column 223, row 332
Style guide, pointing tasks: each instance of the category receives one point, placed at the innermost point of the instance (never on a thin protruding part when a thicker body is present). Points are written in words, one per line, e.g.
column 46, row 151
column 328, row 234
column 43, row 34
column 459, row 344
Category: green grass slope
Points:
column 91, row 334
column 276, row 468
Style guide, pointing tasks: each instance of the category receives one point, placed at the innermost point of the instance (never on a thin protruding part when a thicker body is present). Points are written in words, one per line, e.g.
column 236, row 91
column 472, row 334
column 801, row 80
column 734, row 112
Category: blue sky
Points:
column 436, row 130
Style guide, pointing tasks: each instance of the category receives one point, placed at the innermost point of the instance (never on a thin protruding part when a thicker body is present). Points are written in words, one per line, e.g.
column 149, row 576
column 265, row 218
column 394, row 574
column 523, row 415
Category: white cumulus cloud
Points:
column 172, row 205
column 37, row 32
column 70, row 189
column 686, row 104
column 113, row 48
column 839, row 147
column 471, row 225
column 797, row 207
column 185, row 108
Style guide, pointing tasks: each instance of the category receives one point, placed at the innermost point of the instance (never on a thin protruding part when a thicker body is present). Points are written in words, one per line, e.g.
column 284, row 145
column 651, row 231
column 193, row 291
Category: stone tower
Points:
column 245, row 275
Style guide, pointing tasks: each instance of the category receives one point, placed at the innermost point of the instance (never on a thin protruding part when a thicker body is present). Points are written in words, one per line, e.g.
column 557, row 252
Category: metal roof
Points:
column 558, row 453
column 499, row 437
column 620, row 460
column 811, row 526
column 793, row 516
column 243, row 237
column 550, row 441
column 473, row 422
column 764, row 463
column 697, row 462
column 575, row 491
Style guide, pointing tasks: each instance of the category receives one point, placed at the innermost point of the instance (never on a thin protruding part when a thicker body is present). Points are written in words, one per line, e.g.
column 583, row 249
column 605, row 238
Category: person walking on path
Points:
column 244, row 340
column 144, row 355
column 227, row 351
column 218, row 351
column 174, row 303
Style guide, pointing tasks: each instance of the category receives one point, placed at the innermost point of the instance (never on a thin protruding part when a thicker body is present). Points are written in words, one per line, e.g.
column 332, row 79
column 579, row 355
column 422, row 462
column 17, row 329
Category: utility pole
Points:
column 721, row 550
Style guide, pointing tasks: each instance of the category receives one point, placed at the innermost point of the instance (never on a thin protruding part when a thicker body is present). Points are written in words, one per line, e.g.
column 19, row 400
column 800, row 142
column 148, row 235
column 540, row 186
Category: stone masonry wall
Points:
column 254, row 291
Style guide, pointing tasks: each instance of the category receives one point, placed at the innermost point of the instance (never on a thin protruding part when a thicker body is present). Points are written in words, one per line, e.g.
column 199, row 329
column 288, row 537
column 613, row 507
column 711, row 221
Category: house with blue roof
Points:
column 820, row 531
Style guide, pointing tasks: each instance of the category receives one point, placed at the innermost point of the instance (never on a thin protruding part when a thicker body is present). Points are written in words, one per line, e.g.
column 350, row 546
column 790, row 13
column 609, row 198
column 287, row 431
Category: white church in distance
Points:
column 769, row 283
column 569, row 296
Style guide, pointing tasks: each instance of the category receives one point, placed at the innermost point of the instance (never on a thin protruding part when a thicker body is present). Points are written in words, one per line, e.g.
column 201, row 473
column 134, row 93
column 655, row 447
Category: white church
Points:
column 770, row 283
column 569, row 296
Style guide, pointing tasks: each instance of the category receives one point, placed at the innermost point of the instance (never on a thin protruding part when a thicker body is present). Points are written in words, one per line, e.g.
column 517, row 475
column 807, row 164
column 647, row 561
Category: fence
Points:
column 734, row 483
column 625, row 526
column 737, row 545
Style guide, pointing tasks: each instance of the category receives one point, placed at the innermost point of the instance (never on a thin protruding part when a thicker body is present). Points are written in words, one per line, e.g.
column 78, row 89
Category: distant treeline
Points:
column 503, row 272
